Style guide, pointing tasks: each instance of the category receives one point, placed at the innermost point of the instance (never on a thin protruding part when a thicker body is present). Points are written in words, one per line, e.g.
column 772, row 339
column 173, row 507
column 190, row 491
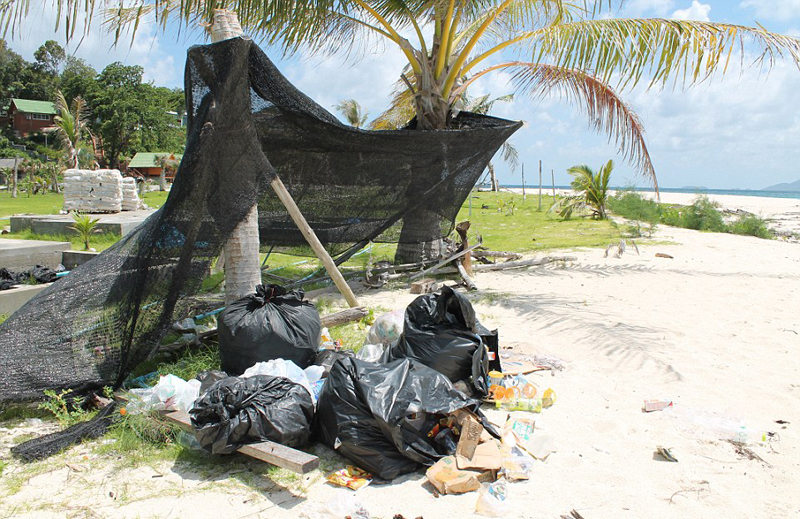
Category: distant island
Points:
column 786, row 186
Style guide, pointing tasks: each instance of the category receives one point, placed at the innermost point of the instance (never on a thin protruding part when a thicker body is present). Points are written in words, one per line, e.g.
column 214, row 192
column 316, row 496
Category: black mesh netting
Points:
column 246, row 123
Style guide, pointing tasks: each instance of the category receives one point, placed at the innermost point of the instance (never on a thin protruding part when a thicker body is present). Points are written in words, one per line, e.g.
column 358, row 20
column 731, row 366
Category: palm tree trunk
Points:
column 493, row 177
column 14, row 178
column 242, row 266
column 420, row 237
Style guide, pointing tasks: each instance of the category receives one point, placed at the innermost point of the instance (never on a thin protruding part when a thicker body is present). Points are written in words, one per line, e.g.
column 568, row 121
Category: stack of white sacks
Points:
column 99, row 191
column 130, row 195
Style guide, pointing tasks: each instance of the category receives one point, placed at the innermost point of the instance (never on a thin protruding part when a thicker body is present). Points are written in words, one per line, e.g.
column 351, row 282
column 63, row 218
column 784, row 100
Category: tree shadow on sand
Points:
column 624, row 341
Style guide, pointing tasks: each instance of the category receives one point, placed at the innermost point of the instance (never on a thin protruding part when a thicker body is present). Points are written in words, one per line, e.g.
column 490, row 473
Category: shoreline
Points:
column 782, row 214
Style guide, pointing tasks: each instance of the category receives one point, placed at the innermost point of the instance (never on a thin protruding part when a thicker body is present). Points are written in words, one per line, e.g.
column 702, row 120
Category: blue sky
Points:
column 740, row 131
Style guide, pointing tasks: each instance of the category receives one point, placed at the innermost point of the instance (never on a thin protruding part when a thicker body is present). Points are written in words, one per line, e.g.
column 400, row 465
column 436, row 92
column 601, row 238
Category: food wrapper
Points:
column 350, row 477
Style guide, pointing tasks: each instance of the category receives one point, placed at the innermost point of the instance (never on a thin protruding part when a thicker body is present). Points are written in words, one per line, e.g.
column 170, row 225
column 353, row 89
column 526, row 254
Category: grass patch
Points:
column 508, row 223
column 155, row 199
column 48, row 203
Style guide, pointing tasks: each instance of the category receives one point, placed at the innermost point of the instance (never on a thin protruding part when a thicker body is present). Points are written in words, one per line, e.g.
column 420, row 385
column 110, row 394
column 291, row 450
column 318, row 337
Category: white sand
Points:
column 716, row 330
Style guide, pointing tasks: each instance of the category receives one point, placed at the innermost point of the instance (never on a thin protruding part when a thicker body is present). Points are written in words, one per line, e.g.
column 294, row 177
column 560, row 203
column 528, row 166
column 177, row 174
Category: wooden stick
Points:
column 540, row 184
column 268, row 451
column 313, row 241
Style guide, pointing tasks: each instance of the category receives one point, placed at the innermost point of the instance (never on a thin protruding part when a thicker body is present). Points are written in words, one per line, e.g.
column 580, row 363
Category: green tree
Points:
column 591, row 190
column 50, row 58
column 131, row 116
column 71, row 125
column 352, row 112
column 78, row 78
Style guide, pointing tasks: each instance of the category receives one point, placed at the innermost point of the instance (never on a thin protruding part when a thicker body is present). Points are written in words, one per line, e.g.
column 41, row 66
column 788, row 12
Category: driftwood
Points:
column 478, row 253
column 444, row 262
column 345, row 316
column 511, row 264
column 465, row 276
column 270, row 452
column 466, row 260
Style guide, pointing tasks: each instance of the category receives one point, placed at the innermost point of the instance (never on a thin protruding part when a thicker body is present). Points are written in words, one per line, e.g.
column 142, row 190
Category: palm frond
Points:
column 686, row 51
column 606, row 111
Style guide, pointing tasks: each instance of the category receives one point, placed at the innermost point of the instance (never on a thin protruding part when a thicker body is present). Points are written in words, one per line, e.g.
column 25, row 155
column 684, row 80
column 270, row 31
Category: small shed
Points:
column 147, row 164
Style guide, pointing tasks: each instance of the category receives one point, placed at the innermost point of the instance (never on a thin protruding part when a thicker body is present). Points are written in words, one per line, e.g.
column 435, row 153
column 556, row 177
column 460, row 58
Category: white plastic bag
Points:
column 386, row 329
column 282, row 368
column 170, row 392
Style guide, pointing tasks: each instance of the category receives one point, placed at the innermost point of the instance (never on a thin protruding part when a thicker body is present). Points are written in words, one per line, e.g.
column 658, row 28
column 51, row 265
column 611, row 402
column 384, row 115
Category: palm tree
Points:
column 168, row 164
column 352, row 112
column 576, row 49
column 591, row 190
column 72, row 124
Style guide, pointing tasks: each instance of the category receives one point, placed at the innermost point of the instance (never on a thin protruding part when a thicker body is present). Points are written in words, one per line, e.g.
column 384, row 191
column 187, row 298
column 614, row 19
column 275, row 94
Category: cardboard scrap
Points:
column 473, row 452
column 447, row 478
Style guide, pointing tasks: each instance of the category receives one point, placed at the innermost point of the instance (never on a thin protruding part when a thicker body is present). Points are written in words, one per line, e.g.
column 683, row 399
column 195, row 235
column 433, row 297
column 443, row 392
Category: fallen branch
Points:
column 443, row 262
column 465, row 276
column 510, row 264
column 477, row 254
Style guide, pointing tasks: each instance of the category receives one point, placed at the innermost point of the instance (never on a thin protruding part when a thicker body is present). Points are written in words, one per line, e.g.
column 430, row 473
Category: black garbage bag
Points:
column 327, row 358
column 378, row 415
column 270, row 324
column 441, row 331
column 237, row 411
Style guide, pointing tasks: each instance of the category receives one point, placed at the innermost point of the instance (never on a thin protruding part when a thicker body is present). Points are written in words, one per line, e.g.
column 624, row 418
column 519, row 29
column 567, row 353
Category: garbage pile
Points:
column 395, row 408
column 39, row 274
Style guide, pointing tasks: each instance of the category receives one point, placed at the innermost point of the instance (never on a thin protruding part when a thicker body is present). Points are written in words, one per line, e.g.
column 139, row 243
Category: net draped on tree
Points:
column 247, row 123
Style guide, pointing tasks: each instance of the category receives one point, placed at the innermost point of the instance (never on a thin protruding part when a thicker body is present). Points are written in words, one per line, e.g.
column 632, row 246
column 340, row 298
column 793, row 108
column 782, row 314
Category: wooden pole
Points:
column 313, row 241
column 226, row 26
column 523, row 182
column 553, row 179
column 540, row 184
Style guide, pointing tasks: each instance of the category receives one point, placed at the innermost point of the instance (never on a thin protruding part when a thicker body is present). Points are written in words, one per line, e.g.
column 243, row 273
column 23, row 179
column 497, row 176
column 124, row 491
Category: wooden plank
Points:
column 424, row 286
column 270, row 452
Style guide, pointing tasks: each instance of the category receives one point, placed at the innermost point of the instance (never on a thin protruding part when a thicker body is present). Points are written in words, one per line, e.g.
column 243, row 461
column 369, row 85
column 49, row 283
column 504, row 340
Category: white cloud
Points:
column 697, row 11
column 774, row 9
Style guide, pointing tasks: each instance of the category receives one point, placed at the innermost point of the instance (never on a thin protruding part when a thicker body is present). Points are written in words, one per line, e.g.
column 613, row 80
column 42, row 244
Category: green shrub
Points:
column 751, row 225
column 633, row 206
column 703, row 215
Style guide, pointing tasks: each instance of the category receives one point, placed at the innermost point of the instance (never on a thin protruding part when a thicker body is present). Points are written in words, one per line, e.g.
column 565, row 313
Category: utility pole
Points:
column 540, row 184
column 523, row 181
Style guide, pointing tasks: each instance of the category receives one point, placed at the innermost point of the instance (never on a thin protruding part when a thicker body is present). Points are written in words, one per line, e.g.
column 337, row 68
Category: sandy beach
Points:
column 715, row 329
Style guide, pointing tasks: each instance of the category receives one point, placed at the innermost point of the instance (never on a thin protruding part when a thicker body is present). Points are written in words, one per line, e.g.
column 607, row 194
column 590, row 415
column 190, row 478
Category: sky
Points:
column 740, row 131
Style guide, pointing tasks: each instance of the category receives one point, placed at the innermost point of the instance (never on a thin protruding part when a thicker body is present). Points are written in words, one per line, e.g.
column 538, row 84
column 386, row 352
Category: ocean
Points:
column 698, row 190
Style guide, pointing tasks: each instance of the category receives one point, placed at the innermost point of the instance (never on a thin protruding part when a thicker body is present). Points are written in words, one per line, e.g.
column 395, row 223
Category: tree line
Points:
column 124, row 114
